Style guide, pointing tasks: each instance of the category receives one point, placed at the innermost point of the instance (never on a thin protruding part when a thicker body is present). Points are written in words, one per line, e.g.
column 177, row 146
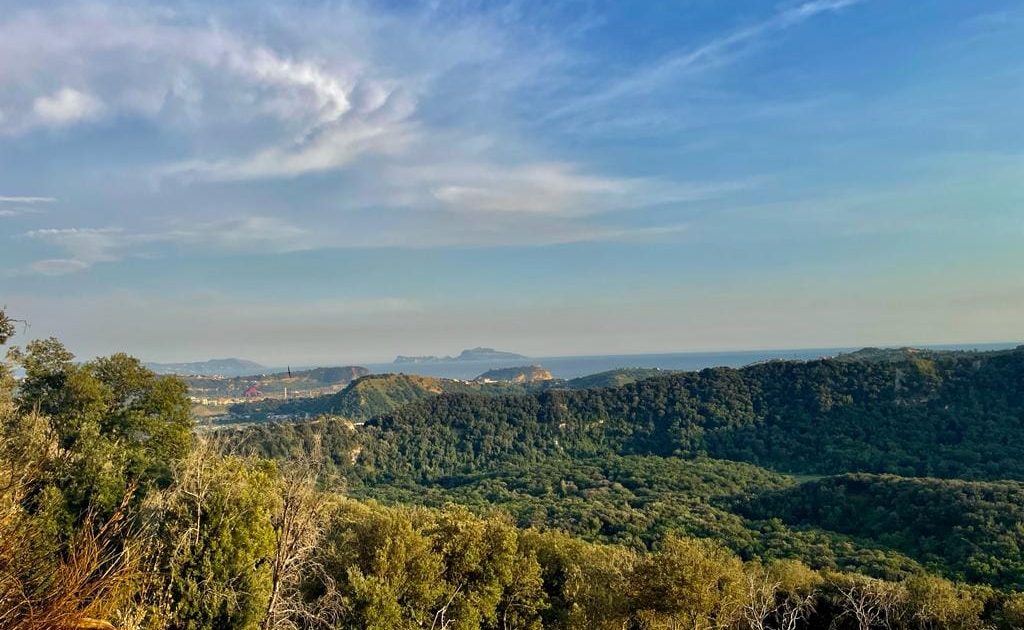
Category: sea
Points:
column 576, row 366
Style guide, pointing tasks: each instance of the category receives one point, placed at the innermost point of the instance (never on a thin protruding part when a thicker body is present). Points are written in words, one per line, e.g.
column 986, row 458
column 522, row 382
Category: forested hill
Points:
column 369, row 396
column 959, row 416
column 628, row 463
column 975, row 528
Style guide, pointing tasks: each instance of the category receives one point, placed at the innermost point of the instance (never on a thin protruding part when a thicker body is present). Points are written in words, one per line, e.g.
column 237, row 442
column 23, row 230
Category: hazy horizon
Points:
column 412, row 367
column 314, row 182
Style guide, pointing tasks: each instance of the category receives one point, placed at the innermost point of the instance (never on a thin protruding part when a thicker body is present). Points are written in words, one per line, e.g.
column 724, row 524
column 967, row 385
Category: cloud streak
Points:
column 31, row 200
column 85, row 247
column 712, row 54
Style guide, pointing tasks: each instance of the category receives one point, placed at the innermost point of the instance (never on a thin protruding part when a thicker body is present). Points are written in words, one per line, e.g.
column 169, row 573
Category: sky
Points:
column 330, row 182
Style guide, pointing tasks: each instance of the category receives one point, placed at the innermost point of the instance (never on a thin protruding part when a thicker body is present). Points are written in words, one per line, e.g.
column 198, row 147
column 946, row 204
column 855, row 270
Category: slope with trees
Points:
column 114, row 514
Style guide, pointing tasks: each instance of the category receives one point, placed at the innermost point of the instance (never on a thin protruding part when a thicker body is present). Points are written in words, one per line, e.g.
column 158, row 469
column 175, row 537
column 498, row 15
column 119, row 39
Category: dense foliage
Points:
column 956, row 416
column 113, row 511
column 613, row 378
column 612, row 464
column 975, row 529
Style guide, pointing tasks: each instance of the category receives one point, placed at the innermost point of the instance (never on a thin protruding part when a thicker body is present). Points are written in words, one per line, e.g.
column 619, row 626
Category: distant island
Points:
column 471, row 354
column 213, row 367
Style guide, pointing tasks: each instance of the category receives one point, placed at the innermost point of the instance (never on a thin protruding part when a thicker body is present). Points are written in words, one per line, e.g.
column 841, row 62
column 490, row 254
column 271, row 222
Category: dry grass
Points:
column 76, row 588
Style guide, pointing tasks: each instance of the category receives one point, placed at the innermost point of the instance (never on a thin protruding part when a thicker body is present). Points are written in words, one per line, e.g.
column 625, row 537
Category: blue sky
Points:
column 314, row 182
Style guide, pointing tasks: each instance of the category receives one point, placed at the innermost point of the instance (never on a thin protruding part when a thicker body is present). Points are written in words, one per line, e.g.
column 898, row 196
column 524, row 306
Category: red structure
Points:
column 252, row 392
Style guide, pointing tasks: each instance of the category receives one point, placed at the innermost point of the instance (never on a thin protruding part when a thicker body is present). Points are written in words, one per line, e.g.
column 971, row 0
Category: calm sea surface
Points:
column 572, row 367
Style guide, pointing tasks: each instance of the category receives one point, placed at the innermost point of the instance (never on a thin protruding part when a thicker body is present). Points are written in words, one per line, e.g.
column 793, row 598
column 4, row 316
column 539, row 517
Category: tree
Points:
column 46, row 582
column 935, row 603
column 1013, row 611
column 761, row 601
column 386, row 573
column 692, row 583
column 523, row 598
column 587, row 585
column 797, row 592
column 115, row 423
column 215, row 521
column 478, row 557
column 868, row 601
column 298, row 523
column 7, row 328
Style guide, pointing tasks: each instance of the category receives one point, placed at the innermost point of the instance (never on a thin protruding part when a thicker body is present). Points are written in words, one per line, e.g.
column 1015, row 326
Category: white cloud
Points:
column 161, row 63
column 16, row 206
column 27, row 199
column 85, row 247
column 335, row 144
column 58, row 266
column 17, row 212
column 557, row 189
column 66, row 106
column 410, row 109
column 248, row 233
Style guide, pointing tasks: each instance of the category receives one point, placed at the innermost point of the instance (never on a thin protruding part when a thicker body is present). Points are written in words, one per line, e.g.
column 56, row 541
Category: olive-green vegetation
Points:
column 955, row 416
column 367, row 397
column 622, row 464
column 973, row 529
column 614, row 378
column 114, row 513
column 378, row 394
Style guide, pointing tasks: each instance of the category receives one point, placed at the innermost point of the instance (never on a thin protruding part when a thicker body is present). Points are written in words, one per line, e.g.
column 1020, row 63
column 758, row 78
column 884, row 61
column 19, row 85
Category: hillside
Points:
column 367, row 397
column 956, row 416
column 565, row 528
column 976, row 529
column 607, row 463
column 613, row 378
column 213, row 367
column 523, row 374
column 908, row 354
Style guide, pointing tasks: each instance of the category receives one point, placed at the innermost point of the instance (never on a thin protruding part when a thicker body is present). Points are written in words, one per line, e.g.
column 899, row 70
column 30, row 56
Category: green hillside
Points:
column 367, row 397
column 973, row 529
column 112, row 508
column 613, row 378
column 572, row 458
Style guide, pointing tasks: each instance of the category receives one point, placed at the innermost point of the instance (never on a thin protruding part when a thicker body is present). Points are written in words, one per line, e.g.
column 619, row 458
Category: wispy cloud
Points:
column 412, row 111
column 155, row 63
column 11, row 206
column 85, row 247
column 27, row 199
column 17, row 212
column 332, row 145
column 715, row 53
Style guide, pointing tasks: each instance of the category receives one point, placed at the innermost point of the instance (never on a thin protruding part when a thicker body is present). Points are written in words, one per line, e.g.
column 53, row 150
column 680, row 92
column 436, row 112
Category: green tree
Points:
column 216, row 524
column 690, row 583
column 116, row 424
column 938, row 604
column 384, row 569
column 1013, row 611
column 478, row 556
column 587, row 585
